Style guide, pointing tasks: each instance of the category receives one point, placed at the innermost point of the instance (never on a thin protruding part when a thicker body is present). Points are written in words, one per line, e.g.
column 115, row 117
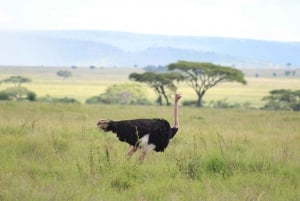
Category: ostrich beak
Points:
column 178, row 96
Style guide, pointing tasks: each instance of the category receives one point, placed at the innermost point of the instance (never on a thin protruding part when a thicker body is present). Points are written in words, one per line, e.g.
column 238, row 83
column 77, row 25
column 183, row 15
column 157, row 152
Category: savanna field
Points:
column 54, row 151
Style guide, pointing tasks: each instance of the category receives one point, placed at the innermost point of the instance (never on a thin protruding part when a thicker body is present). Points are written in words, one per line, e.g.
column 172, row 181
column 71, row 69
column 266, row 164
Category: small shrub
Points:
column 94, row 100
column 31, row 96
column 189, row 103
column 4, row 95
column 49, row 99
column 282, row 99
column 217, row 166
column 17, row 93
column 126, row 176
column 193, row 167
column 223, row 104
column 121, row 183
column 124, row 94
column 190, row 166
column 296, row 107
column 67, row 100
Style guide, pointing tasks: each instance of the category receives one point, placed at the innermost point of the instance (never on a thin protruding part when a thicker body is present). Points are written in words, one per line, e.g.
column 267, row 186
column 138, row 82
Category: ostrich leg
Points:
column 142, row 157
column 131, row 151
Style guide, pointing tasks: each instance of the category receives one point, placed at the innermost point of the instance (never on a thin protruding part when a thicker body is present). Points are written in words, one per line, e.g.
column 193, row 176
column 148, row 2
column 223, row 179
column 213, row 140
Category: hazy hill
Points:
column 106, row 48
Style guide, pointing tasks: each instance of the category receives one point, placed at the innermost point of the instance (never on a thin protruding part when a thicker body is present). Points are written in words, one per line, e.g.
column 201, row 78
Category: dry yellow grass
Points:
column 86, row 82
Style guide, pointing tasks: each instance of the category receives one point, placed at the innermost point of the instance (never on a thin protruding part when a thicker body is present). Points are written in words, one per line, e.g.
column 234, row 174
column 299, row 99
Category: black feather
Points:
column 131, row 131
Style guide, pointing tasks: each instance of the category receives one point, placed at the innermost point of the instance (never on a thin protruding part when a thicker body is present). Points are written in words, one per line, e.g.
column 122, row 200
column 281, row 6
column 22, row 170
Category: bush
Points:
column 217, row 166
column 282, row 99
column 31, row 96
column 190, row 165
column 94, row 100
column 67, row 100
column 49, row 99
column 17, row 93
column 4, row 95
column 296, row 107
column 223, row 104
column 125, row 94
column 189, row 103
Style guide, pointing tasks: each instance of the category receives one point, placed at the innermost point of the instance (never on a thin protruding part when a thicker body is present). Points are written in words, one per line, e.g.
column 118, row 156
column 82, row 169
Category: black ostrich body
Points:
column 132, row 131
column 147, row 134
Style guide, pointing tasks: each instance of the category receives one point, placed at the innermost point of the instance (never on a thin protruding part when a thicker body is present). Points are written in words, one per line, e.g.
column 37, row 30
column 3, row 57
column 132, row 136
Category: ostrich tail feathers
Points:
column 104, row 124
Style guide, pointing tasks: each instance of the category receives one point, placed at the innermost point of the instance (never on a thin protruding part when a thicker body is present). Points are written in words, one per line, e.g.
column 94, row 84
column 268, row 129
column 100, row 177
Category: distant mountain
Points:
column 107, row 48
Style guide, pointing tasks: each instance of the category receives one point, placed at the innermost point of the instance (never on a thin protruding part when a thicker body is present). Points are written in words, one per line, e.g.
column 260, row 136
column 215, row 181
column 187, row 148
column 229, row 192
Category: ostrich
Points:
column 146, row 134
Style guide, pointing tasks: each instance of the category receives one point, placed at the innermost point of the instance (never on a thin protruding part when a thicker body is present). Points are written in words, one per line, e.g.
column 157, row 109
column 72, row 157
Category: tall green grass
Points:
column 55, row 152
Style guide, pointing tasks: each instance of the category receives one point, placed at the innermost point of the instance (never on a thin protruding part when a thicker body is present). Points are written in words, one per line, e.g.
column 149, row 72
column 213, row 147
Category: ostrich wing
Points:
column 131, row 131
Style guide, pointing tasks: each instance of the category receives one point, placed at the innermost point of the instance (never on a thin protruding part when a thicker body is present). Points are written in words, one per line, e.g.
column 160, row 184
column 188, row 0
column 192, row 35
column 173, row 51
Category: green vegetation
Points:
column 203, row 76
column 49, row 99
column 64, row 73
column 124, row 94
column 17, row 92
column 17, row 80
column 162, row 83
column 86, row 83
column 283, row 99
column 55, row 152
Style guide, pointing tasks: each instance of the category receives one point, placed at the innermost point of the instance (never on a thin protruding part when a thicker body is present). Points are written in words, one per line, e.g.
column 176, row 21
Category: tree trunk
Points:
column 166, row 98
column 164, row 95
column 199, row 101
column 159, row 100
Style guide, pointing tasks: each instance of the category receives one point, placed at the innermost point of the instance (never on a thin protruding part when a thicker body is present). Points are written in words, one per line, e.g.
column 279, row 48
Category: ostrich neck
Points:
column 176, row 120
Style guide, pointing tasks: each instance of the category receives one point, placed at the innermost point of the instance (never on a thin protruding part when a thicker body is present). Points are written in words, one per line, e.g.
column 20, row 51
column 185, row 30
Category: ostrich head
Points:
column 177, row 96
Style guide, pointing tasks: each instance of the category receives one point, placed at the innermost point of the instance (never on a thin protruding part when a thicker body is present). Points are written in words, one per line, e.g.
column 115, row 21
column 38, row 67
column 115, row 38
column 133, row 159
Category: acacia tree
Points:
column 64, row 73
column 202, row 76
column 17, row 92
column 17, row 80
column 160, row 82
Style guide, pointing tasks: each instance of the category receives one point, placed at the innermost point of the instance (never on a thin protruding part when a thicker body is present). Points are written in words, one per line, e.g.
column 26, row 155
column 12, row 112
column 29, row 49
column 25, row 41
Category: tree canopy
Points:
column 283, row 99
column 64, row 73
column 17, row 80
column 202, row 76
column 162, row 83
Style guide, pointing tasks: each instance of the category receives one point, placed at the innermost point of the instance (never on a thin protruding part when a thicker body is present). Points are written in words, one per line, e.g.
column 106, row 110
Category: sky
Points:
column 276, row 20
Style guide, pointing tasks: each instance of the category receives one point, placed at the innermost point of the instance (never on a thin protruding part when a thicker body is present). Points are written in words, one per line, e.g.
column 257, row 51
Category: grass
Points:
column 55, row 152
column 86, row 83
